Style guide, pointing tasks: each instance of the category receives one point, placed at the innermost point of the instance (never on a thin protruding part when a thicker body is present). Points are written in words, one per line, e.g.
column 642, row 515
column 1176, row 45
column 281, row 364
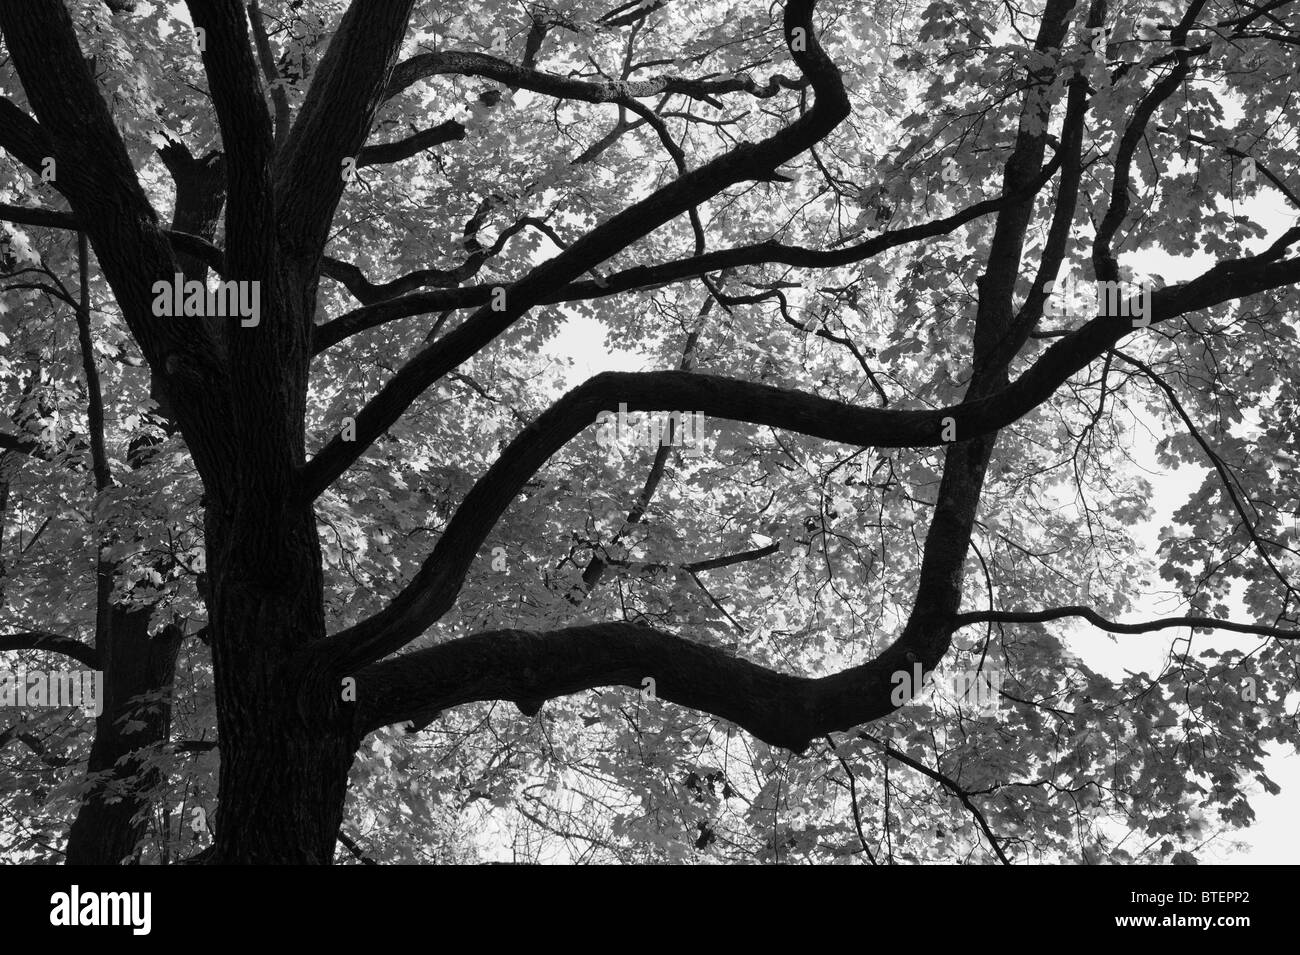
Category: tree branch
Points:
column 1281, row 186
column 953, row 787
column 335, row 120
column 366, row 291
column 652, row 276
column 266, row 56
column 238, row 94
column 97, row 177
column 23, row 444
column 1067, row 199
column 1103, row 257
column 745, row 162
column 23, row 137
column 453, row 62
column 529, row 667
column 853, row 800
column 182, row 243
column 596, row 566
column 35, row 744
column 48, row 642
column 433, row 590
column 1058, row 613
column 94, row 393
column 450, row 131
column 1225, row 478
column 356, row 850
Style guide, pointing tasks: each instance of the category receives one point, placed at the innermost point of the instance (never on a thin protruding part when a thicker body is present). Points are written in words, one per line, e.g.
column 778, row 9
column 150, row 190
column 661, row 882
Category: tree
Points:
column 778, row 189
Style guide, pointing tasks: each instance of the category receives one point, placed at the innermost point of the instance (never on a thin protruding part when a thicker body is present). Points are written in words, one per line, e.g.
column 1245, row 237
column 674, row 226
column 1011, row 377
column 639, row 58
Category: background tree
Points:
column 831, row 234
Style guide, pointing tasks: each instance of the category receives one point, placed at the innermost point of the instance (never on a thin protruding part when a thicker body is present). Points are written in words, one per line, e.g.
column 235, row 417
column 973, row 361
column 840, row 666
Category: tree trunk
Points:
column 105, row 833
column 287, row 738
column 134, row 663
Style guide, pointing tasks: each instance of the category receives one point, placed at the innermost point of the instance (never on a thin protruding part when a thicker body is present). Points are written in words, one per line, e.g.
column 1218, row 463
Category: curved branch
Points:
column 748, row 161
column 48, row 642
column 529, row 667
column 652, row 276
column 1103, row 256
column 36, row 745
column 377, row 293
column 433, row 589
column 1097, row 620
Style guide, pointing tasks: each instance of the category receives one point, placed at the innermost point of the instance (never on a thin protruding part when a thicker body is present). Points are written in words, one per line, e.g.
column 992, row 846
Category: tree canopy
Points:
column 380, row 574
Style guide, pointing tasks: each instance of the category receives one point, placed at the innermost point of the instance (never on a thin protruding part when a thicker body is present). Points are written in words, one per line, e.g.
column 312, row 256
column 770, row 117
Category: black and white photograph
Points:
column 650, row 433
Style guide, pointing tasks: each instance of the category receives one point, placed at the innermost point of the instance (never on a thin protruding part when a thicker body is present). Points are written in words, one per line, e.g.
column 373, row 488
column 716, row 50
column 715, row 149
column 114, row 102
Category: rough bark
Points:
column 136, row 663
column 112, row 817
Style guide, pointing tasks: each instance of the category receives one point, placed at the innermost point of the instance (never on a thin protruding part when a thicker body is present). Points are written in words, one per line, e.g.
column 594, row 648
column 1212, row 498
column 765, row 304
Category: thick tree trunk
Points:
column 283, row 785
column 287, row 739
column 134, row 663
